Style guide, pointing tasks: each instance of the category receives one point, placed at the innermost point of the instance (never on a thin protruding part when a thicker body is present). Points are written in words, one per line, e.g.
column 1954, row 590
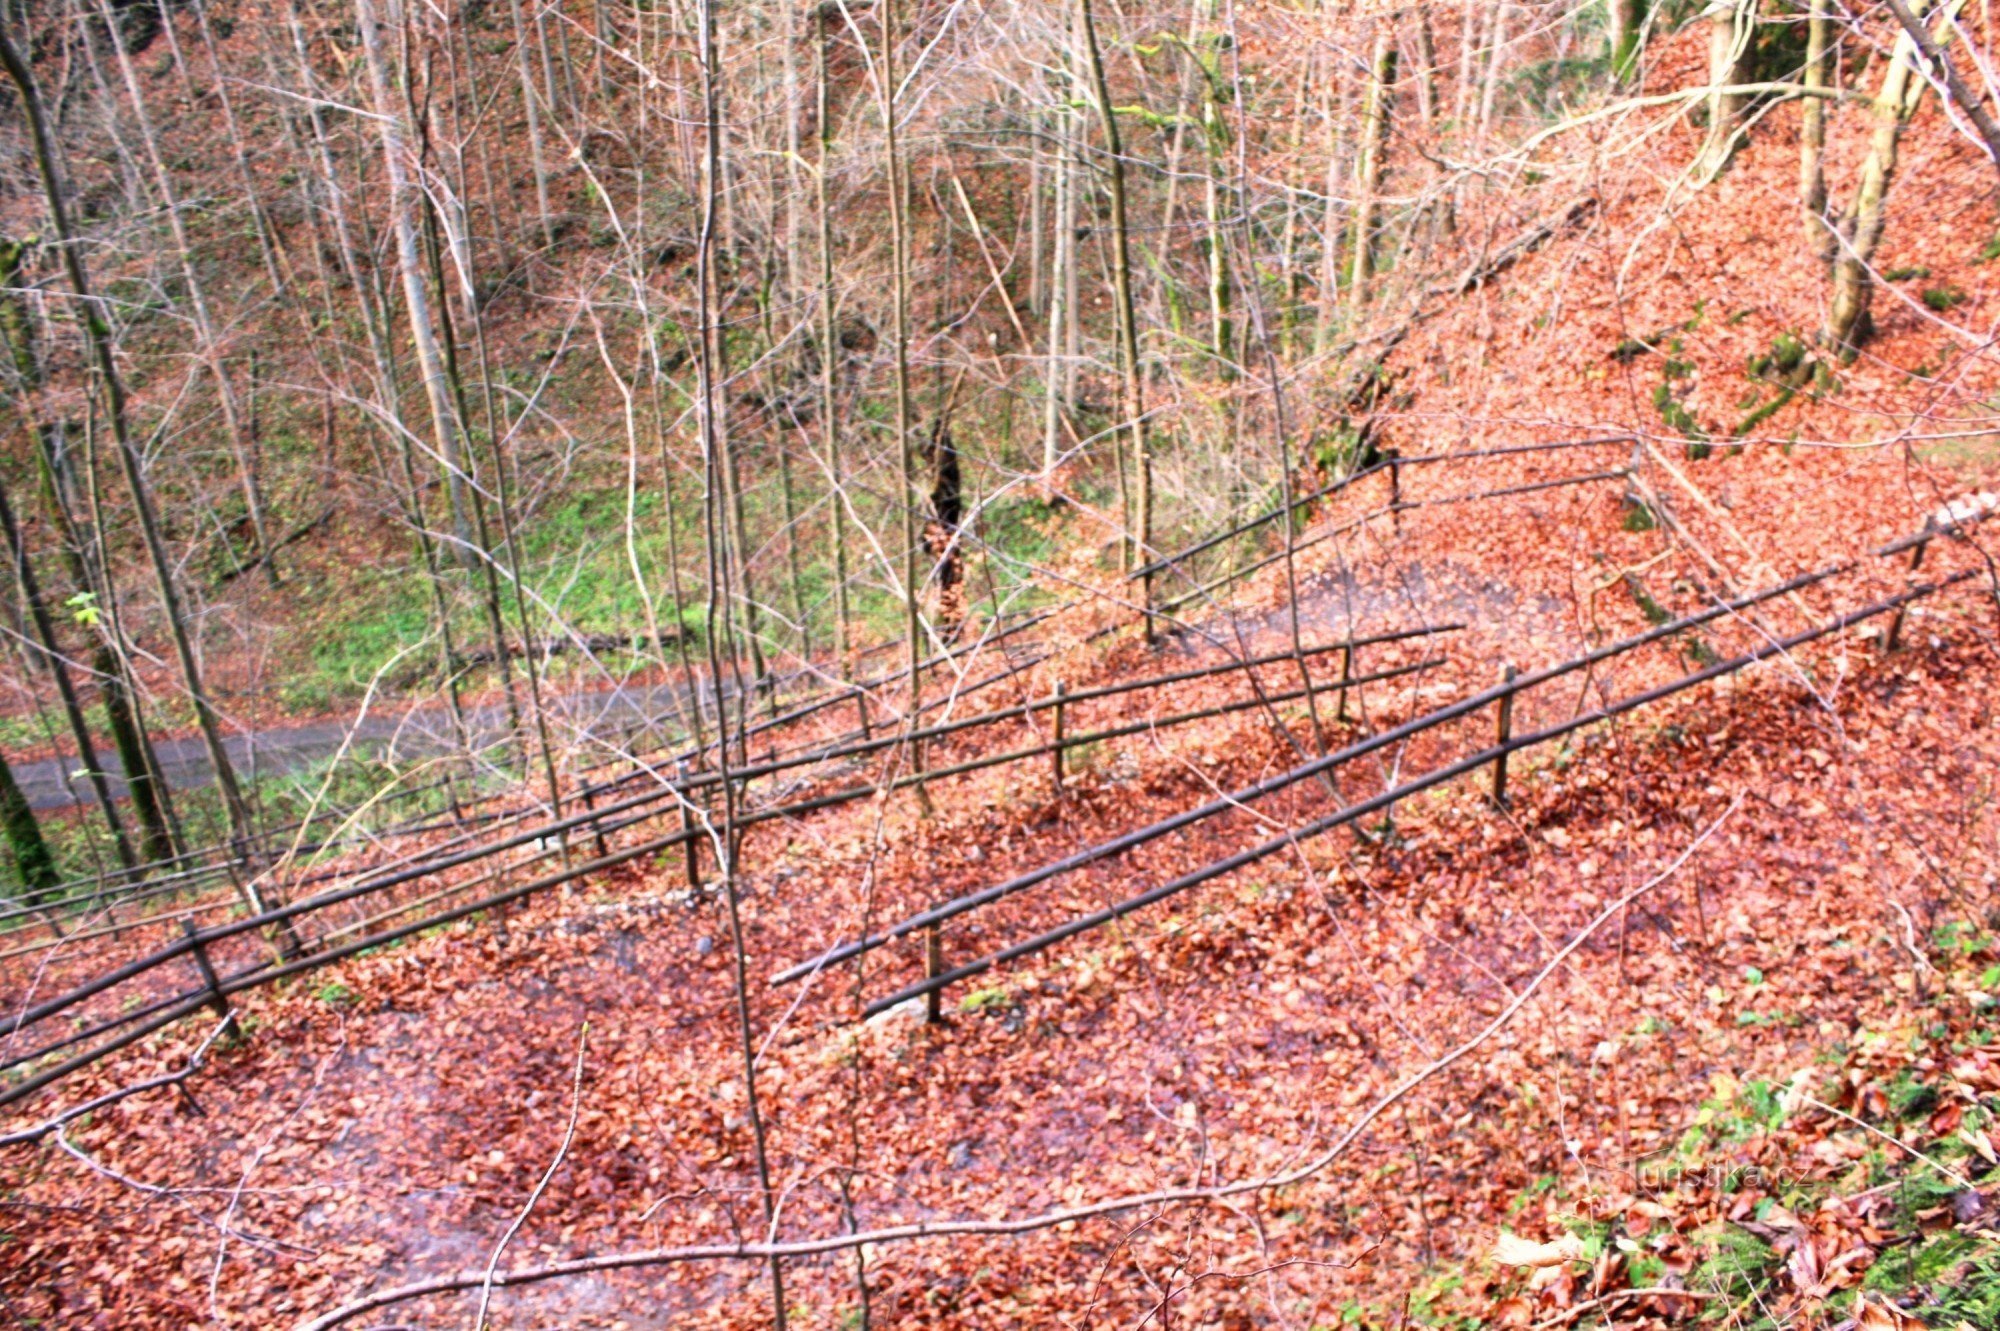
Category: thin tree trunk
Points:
column 1139, row 541
column 267, row 236
column 1055, row 398
column 529, row 102
column 1368, row 172
column 829, row 345
column 409, row 263
column 717, row 510
column 1495, row 62
column 1819, row 75
column 1037, row 224
column 900, row 322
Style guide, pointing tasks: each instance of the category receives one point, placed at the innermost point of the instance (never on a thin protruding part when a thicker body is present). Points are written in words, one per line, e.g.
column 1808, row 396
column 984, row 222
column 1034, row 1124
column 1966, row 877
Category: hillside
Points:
column 1273, row 667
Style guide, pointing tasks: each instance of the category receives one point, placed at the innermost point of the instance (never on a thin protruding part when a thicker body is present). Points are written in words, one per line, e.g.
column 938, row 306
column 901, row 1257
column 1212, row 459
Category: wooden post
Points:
column 1396, row 490
column 1896, row 624
column 861, row 706
column 1346, row 674
column 596, row 827
column 1056, row 751
column 692, row 844
column 1504, row 732
column 934, row 967
column 217, row 1002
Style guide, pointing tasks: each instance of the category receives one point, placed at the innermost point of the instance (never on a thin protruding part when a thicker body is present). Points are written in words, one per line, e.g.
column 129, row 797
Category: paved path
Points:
column 1327, row 604
column 403, row 734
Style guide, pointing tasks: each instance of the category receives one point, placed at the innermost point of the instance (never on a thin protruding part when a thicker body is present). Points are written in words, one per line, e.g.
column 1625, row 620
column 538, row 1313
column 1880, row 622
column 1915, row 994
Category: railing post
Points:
column 596, row 827
column 1346, row 674
column 217, row 1002
column 1056, row 751
column 691, row 842
column 1504, row 732
column 934, row 967
column 1895, row 634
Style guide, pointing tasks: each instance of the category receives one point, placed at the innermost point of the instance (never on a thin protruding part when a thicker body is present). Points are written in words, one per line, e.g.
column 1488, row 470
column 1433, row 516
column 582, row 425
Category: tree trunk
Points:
column 58, row 667
column 409, row 262
column 1970, row 103
column 1628, row 22
column 135, row 755
column 1139, row 541
column 715, row 465
column 34, row 862
column 947, row 511
column 829, row 346
column 1055, row 400
column 899, row 243
column 1732, row 49
column 1848, row 323
column 1819, row 75
column 17, row 331
column 530, row 103
column 1368, row 172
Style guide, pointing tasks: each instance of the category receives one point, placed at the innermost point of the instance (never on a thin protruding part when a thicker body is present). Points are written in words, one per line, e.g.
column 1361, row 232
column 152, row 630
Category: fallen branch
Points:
column 68, row 1116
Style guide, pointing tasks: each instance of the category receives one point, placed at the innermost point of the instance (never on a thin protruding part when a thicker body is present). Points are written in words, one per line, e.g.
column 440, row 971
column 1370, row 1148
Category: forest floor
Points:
column 1759, row 1094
